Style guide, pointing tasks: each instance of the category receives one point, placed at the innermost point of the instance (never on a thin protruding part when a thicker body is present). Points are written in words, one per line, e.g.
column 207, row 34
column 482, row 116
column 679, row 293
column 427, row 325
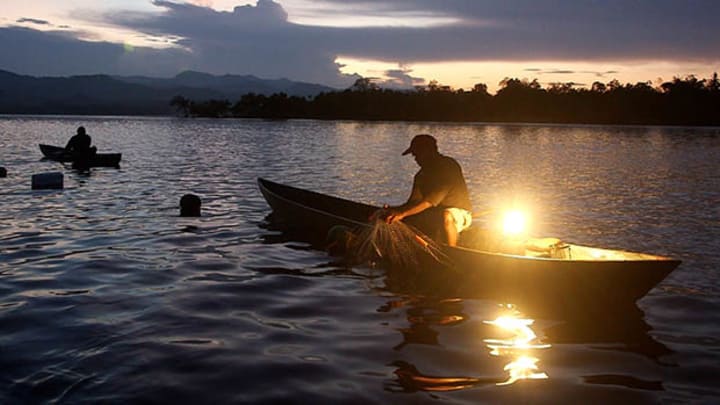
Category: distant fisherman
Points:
column 79, row 148
column 439, row 202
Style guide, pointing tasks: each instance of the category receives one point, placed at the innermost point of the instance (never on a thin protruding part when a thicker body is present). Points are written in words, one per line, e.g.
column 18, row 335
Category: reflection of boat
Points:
column 97, row 160
column 410, row 379
column 588, row 277
column 623, row 326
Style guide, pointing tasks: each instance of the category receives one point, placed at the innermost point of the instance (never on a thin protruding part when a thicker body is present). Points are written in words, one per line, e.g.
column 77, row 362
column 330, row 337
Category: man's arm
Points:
column 406, row 210
column 413, row 205
column 419, row 202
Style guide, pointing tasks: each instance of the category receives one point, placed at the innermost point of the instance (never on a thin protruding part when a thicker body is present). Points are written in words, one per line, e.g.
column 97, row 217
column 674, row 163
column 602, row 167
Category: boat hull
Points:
column 557, row 283
column 58, row 154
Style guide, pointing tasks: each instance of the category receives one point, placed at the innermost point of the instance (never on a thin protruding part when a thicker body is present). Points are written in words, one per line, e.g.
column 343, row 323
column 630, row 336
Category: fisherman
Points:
column 439, row 203
column 79, row 148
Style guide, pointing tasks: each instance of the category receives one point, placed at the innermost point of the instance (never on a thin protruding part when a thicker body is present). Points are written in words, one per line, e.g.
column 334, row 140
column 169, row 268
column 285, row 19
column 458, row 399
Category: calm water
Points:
column 106, row 295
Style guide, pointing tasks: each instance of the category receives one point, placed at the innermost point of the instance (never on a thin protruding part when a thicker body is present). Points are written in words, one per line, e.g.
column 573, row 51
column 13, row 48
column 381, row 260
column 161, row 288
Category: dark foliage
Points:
column 688, row 101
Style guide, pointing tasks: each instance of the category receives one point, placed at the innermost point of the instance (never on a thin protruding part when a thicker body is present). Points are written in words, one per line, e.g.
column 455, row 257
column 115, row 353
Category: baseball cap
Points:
column 421, row 142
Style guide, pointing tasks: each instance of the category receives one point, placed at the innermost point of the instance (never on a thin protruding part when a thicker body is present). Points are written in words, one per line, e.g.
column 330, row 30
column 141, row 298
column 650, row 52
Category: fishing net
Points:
column 396, row 244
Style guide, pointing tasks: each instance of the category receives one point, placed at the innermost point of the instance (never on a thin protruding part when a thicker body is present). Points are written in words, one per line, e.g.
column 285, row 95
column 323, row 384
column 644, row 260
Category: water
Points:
column 106, row 295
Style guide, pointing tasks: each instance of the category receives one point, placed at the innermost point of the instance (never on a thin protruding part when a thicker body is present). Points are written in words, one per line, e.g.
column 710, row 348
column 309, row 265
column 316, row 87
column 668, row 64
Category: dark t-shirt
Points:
column 442, row 184
column 79, row 143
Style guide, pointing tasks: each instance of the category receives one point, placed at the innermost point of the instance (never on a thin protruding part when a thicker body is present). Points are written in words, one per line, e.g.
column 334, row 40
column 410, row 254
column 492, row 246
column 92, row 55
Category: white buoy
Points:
column 51, row 180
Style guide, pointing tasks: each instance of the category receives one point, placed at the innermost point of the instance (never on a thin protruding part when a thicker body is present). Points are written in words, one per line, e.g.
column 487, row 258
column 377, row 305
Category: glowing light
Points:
column 128, row 47
column 514, row 223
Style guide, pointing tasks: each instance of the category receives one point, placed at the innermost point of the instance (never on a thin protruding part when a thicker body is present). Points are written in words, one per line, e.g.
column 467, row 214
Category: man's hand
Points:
column 394, row 216
column 387, row 214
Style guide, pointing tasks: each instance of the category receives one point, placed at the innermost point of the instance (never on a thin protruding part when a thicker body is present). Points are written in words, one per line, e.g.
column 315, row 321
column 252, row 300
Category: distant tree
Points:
column 480, row 88
column 249, row 105
column 690, row 84
column 434, row 85
column 613, row 85
column 713, row 84
column 181, row 104
column 364, row 84
column 513, row 84
column 645, row 87
column 682, row 101
column 561, row 88
column 211, row 108
column 598, row 87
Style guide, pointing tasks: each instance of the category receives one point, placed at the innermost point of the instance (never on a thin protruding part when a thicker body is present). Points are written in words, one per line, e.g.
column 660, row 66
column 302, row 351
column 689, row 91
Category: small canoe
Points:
column 575, row 277
column 98, row 160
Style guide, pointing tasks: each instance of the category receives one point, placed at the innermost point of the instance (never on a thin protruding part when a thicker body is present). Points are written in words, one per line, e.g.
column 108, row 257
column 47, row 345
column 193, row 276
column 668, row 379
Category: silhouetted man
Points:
column 439, row 199
column 79, row 148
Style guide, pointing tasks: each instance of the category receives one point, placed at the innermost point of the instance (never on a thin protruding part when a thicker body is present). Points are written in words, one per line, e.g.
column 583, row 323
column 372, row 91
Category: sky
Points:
column 399, row 43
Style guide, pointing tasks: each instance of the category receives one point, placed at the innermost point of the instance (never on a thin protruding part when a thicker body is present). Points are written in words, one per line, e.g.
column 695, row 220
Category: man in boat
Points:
column 79, row 148
column 439, row 203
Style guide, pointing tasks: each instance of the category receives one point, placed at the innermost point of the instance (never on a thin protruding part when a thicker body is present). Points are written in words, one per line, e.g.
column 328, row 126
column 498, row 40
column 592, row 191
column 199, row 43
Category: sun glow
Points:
column 465, row 74
column 514, row 223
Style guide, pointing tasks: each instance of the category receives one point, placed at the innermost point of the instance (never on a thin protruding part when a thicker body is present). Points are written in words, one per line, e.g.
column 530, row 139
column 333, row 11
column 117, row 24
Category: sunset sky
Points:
column 401, row 42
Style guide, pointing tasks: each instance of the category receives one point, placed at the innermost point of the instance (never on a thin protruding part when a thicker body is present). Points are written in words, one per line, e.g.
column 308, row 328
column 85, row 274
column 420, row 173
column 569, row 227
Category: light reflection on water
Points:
column 106, row 295
column 520, row 347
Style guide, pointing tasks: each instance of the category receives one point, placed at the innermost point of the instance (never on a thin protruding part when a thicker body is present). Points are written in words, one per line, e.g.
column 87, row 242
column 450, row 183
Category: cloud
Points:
column 249, row 39
column 60, row 53
column 198, row 22
column 525, row 30
column 32, row 21
column 400, row 79
column 262, row 40
column 551, row 71
column 601, row 73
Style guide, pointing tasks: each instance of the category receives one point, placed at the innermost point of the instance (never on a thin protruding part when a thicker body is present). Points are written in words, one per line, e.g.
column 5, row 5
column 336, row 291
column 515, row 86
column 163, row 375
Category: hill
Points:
column 134, row 95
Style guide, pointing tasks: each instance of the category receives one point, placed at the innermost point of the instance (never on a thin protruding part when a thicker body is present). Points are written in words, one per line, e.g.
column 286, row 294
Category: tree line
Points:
column 681, row 101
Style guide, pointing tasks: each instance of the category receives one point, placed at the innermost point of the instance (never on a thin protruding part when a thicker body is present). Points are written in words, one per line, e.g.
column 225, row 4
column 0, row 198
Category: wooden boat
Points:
column 98, row 160
column 579, row 277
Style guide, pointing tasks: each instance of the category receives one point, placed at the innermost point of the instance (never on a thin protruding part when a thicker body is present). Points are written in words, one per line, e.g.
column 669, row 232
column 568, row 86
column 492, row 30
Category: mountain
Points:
column 234, row 86
column 133, row 95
